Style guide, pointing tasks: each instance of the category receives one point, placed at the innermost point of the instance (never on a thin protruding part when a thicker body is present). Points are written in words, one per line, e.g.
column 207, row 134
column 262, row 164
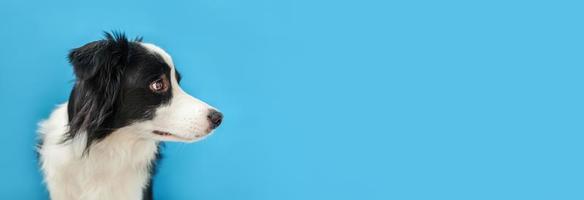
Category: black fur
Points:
column 112, row 86
column 147, row 193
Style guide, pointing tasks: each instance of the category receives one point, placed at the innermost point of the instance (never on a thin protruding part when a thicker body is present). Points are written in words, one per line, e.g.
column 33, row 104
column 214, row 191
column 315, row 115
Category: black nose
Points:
column 215, row 118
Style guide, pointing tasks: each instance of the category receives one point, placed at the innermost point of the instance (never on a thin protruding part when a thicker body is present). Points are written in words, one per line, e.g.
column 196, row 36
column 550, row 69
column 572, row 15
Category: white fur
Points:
column 118, row 166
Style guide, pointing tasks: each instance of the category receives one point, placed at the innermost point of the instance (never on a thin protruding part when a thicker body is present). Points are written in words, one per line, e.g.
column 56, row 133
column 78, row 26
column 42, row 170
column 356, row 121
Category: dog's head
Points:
column 134, row 86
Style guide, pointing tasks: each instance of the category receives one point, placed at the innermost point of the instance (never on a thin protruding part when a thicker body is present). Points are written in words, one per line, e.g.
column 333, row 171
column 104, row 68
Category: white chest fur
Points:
column 115, row 168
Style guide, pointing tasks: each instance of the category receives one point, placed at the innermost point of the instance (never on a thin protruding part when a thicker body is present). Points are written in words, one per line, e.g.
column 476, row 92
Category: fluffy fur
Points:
column 103, row 143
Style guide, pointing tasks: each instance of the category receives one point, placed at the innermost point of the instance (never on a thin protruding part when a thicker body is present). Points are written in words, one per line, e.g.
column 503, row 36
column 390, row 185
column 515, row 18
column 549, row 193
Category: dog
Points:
column 104, row 142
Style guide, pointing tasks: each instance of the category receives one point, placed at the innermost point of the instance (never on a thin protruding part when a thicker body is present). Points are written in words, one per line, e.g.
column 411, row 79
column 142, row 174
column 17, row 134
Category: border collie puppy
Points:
column 103, row 143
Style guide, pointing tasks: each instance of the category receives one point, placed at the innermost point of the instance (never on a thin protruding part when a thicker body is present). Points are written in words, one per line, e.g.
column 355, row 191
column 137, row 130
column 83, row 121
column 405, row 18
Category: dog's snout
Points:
column 215, row 118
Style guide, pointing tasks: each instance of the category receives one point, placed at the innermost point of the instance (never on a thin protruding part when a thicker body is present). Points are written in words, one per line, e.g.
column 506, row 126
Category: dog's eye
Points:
column 160, row 85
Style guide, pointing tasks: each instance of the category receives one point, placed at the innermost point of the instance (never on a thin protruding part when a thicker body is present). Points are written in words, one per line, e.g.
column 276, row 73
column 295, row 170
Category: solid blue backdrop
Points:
column 329, row 99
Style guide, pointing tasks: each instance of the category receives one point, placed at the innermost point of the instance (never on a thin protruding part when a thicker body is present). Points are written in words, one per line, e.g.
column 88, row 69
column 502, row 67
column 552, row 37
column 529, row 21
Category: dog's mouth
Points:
column 170, row 136
column 161, row 133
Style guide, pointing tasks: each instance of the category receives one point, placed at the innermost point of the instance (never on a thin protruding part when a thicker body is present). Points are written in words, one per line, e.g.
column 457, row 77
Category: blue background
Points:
column 330, row 99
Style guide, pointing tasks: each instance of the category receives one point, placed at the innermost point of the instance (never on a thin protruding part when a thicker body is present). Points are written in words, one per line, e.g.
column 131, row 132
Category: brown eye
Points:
column 160, row 85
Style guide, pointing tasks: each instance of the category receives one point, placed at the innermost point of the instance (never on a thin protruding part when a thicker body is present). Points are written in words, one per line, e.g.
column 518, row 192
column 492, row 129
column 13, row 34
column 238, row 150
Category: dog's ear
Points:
column 100, row 55
column 98, row 67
